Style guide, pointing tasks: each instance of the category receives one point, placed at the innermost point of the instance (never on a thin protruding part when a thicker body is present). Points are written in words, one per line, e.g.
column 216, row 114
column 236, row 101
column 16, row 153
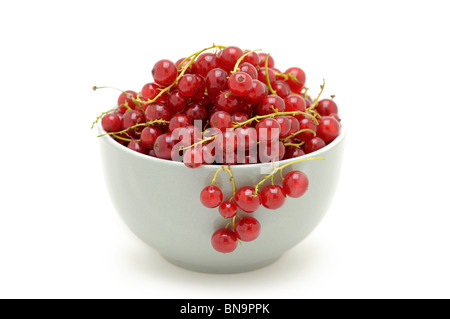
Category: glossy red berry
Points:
column 111, row 122
column 262, row 76
column 328, row 129
column 273, row 197
column 216, row 81
column 262, row 60
column 131, row 118
column 164, row 72
column 249, row 69
column 295, row 103
column 326, row 107
column 211, row 196
column 137, row 147
column 295, row 184
column 248, row 228
column 152, row 90
column 285, row 125
column 163, row 146
column 179, row 121
column 224, row 240
column 177, row 102
column 188, row 85
column 228, row 209
column 221, row 120
column 193, row 157
column 252, row 58
column 271, row 103
column 229, row 57
column 240, row 83
column 197, row 112
column 258, row 92
column 205, row 63
column 282, row 89
column 268, row 130
column 293, row 152
column 295, row 124
column 298, row 83
column 157, row 111
column 307, row 123
column 314, row 144
column 149, row 136
column 246, row 200
column 227, row 102
column 227, row 141
column 126, row 99
column 239, row 117
column 246, row 138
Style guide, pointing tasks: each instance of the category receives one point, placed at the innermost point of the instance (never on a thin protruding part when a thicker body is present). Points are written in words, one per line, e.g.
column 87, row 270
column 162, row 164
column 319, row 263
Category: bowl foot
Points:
column 223, row 269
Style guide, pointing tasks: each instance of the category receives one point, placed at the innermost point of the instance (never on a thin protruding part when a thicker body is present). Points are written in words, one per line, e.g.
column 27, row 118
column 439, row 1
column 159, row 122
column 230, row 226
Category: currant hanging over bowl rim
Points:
column 214, row 167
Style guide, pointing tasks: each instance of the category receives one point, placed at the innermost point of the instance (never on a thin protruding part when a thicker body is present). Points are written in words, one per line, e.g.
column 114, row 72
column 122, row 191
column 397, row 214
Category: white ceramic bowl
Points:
column 159, row 200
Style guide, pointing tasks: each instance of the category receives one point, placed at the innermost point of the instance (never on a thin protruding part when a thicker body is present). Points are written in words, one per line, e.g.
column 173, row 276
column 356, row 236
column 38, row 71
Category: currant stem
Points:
column 299, row 132
column 272, row 115
column 295, row 145
column 223, row 168
column 236, row 66
column 136, row 126
column 280, row 169
column 267, row 75
column 199, row 142
column 100, row 116
column 316, row 101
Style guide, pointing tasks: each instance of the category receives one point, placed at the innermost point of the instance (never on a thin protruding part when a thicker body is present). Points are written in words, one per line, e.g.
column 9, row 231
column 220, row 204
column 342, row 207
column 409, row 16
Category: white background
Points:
column 387, row 234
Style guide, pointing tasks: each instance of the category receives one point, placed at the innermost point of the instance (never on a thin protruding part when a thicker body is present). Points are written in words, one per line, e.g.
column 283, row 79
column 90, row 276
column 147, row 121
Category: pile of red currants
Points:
column 227, row 106
column 231, row 106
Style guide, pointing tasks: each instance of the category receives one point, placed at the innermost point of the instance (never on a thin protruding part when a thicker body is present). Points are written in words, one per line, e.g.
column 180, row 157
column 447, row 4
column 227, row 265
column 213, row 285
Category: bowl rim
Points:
column 214, row 167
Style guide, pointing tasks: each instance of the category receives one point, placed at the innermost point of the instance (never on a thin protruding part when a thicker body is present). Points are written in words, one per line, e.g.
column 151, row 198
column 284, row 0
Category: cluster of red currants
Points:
column 249, row 199
column 228, row 107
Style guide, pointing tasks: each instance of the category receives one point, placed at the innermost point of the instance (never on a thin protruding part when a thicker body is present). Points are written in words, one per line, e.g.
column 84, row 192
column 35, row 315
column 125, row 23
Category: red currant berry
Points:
column 137, row 147
column 224, row 240
column 157, row 111
column 295, row 124
column 205, row 63
column 248, row 228
column 274, row 151
column 229, row 57
column 240, row 83
column 111, row 122
column 295, row 184
column 293, row 152
column 314, row 144
column 197, row 112
column 228, row 209
column 262, row 76
column 262, row 60
column 295, row 103
column 149, row 136
column 164, row 72
column 216, row 81
column 282, row 89
column 227, row 141
column 227, row 102
column 268, row 130
column 246, row 138
column 258, row 93
column 179, row 67
column 177, row 102
column 335, row 116
column 188, row 85
column 163, row 146
column 269, row 104
column 131, row 118
column 125, row 99
column 249, row 69
column 211, row 196
column 307, row 123
column 193, row 157
column 221, row 120
column 151, row 90
column 273, row 197
column 239, row 117
column 246, row 200
column 300, row 78
column 328, row 129
column 285, row 126
column 179, row 121
column 326, row 107
column 252, row 58
column 209, row 153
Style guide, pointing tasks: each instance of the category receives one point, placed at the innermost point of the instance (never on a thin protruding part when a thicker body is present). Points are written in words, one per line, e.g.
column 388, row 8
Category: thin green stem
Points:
column 100, row 116
column 136, row 126
column 267, row 75
column 299, row 132
column 238, row 62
